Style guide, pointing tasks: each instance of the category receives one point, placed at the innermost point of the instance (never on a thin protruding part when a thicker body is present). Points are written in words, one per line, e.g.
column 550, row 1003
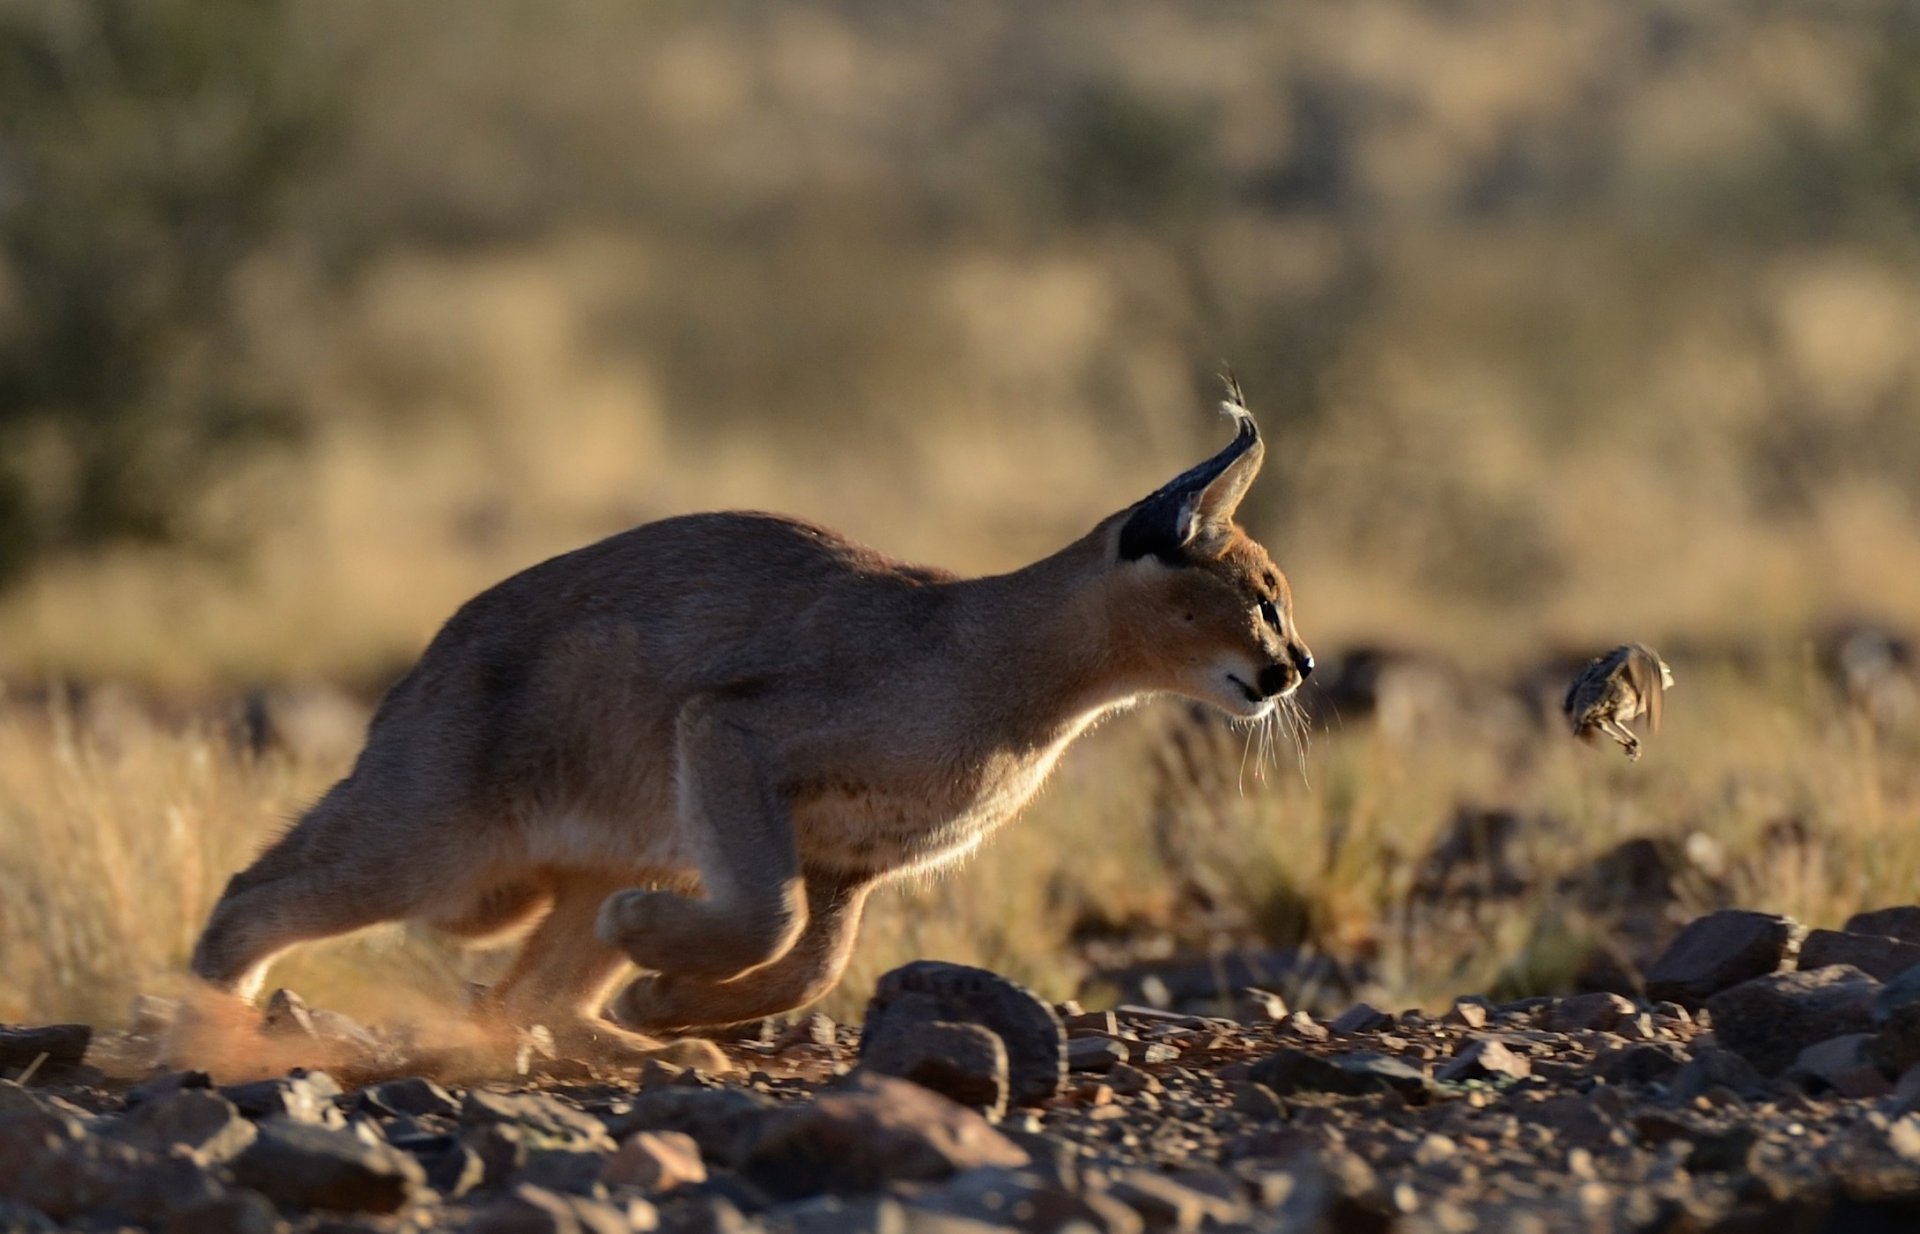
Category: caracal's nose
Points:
column 1302, row 659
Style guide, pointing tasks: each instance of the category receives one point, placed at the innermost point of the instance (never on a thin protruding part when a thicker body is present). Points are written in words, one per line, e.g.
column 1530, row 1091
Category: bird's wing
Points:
column 1643, row 673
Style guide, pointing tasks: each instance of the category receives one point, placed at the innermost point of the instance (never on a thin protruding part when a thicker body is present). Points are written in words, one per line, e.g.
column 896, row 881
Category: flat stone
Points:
column 414, row 1096
column 531, row 1209
column 1486, row 1060
column 1095, row 1053
column 1467, row 1013
column 48, row 1049
column 305, row 1096
column 1769, row 1020
column 1589, row 1013
column 873, row 1131
column 1001, row 1198
column 1845, row 1065
column 721, row 1121
column 1902, row 922
column 1879, row 957
column 655, row 1161
column 1719, row 951
column 1896, row 1023
column 1166, row 1204
column 1639, row 1064
column 234, row 1212
column 1257, row 1006
column 962, row 1062
column 287, row 1015
column 300, row 1165
column 1361, row 1018
column 536, row 1112
column 925, row 992
column 1711, row 1069
column 196, row 1119
column 1354, row 1074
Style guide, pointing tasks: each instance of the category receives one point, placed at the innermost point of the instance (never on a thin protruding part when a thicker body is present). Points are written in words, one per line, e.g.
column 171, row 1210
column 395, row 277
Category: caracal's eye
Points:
column 1269, row 614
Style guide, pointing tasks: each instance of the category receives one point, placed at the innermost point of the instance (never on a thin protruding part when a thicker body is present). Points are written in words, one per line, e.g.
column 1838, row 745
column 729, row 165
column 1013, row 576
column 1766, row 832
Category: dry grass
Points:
column 115, row 836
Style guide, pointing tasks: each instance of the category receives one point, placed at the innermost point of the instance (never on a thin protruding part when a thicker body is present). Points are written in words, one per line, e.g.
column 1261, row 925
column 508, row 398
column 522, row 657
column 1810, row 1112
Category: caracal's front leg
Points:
column 732, row 817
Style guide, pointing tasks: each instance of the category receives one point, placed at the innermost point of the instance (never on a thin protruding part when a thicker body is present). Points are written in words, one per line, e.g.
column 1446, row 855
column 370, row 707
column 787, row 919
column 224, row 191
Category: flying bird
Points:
column 1614, row 689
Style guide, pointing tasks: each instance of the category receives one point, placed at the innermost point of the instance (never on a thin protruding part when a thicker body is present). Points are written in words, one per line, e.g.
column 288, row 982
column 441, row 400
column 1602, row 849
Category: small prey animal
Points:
column 1613, row 689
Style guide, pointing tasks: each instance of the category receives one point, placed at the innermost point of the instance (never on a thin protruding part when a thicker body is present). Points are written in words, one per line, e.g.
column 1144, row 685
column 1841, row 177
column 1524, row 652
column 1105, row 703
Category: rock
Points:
column 300, row 1165
column 1882, row 958
column 529, row 1209
column 1711, row 1069
column 1165, row 1204
column 414, row 1096
column 1095, row 1053
column 933, row 991
column 655, row 1161
column 721, row 1121
column 1305, row 1027
column 1845, row 1065
column 1000, row 1197
column 1578, row 1122
column 453, row 1169
column 1467, row 1013
column 1724, row 1152
column 52, row 1167
column 1589, row 1013
column 1902, row 923
column 1719, row 951
column 815, row 1029
column 287, row 1015
column 873, row 1131
column 1257, row 1006
column 570, row 1171
column 1486, row 1059
column 47, row 1050
column 196, row 1119
column 1361, row 1018
column 963, row 1062
column 1128, row 1080
column 235, row 1212
column 21, row 1219
column 1296, row 1071
column 1639, row 1064
column 537, row 1112
column 1769, row 1020
column 305, row 1096
column 1896, row 1022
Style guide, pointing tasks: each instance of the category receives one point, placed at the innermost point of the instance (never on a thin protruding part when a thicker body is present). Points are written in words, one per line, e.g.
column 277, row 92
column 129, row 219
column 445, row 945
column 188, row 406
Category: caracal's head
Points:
column 1196, row 606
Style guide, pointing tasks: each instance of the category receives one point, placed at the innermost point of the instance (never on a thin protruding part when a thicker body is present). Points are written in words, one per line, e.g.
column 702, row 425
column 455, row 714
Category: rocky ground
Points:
column 1767, row 1081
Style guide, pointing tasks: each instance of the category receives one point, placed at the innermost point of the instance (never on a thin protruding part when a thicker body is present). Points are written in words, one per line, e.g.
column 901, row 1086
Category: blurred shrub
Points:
column 146, row 150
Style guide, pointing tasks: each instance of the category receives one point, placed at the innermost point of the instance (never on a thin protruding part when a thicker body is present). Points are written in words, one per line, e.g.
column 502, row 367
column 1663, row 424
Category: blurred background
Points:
column 1566, row 326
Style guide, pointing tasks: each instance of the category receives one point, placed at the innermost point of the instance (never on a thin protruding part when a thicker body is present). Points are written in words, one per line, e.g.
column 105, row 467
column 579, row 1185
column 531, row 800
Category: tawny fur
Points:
column 696, row 746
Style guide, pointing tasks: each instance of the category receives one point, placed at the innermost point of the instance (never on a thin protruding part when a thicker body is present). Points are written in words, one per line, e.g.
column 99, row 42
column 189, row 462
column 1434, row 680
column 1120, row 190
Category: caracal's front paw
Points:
column 652, row 927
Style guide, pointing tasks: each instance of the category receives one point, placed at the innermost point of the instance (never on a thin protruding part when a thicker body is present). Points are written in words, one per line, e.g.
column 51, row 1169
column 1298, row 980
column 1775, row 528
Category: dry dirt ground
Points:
column 1764, row 1082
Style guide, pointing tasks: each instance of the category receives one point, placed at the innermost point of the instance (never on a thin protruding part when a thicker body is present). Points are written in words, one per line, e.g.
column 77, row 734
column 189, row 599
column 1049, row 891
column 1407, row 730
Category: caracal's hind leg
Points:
column 561, row 979
column 731, row 815
column 343, row 866
column 803, row 975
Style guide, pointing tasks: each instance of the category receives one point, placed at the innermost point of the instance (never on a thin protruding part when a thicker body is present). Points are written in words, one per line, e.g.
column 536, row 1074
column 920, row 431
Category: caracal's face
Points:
column 1223, row 627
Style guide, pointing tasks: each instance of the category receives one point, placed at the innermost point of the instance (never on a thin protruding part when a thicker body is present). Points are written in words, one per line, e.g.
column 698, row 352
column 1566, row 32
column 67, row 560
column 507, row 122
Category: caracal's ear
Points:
column 1199, row 501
